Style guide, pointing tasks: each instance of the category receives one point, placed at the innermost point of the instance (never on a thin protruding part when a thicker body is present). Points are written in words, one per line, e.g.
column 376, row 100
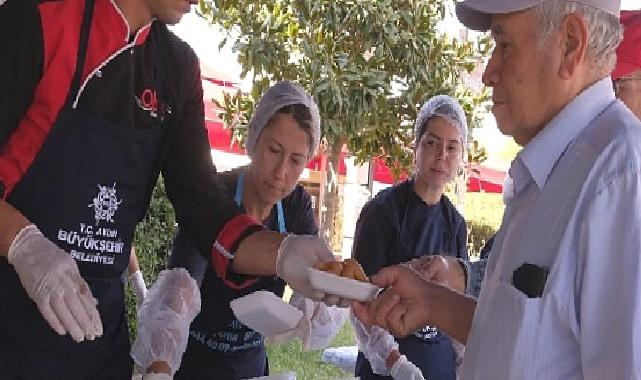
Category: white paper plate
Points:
column 264, row 312
column 341, row 286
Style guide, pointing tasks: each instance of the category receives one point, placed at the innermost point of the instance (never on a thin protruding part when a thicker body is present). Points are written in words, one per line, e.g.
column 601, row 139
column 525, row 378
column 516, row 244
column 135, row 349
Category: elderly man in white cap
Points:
column 561, row 297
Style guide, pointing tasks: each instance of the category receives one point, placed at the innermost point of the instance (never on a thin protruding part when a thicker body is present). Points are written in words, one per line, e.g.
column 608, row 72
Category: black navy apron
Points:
column 220, row 347
column 86, row 190
column 428, row 349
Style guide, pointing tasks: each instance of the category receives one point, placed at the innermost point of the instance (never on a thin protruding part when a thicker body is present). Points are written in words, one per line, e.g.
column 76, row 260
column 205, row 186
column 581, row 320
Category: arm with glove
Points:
column 381, row 350
column 136, row 279
column 163, row 326
column 49, row 276
column 318, row 325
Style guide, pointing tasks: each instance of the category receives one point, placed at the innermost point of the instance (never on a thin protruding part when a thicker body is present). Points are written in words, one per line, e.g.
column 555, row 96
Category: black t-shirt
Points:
column 218, row 343
column 397, row 226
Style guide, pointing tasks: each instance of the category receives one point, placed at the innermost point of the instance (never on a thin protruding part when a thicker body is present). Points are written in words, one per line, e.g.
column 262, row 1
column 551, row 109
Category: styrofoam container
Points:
column 266, row 313
column 281, row 376
column 341, row 286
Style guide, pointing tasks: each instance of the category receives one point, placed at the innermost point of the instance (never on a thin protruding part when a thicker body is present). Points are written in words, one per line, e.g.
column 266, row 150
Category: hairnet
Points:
column 280, row 95
column 446, row 107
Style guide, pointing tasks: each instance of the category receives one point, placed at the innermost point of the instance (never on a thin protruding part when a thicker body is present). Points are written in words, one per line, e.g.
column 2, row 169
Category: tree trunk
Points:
column 330, row 216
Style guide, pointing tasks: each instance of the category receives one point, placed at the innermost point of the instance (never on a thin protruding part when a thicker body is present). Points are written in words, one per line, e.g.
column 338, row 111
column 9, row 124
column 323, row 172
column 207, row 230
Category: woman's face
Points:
column 279, row 158
column 439, row 153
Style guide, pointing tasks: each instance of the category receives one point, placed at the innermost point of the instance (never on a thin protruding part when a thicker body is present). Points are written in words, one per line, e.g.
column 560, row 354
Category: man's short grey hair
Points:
column 604, row 29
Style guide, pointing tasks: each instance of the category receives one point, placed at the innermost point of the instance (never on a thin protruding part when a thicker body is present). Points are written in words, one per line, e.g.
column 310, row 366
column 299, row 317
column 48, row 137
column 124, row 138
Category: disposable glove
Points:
column 298, row 253
column 157, row 376
column 137, row 283
column 301, row 331
column 375, row 343
column 163, row 325
column 52, row 280
column 324, row 321
column 404, row 369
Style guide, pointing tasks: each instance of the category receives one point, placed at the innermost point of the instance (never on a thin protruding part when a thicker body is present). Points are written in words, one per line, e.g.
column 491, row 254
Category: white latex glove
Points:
column 52, row 280
column 404, row 369
column 301, row 331
column 325, row 321
column 137, row 283
column 459, row 353
column 375, row 343
column 298, row 253
column 163, row 326
column 157, row 376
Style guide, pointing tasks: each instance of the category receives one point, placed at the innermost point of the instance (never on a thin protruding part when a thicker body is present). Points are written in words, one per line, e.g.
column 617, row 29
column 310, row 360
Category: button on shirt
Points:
column 576, row 210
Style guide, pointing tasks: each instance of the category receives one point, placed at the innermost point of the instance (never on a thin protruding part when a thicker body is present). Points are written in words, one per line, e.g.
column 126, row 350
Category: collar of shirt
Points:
column 540, row 155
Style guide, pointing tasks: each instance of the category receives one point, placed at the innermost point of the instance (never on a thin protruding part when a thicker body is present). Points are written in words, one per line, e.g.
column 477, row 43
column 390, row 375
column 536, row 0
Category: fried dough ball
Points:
column 349, row 268
column 352, row 269
column 333, row 267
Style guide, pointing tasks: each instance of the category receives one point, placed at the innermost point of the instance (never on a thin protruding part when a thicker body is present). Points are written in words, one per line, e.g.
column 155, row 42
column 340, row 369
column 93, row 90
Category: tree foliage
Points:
column 370, row 64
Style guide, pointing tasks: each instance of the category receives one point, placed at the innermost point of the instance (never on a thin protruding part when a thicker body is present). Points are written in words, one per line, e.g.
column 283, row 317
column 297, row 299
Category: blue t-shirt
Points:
column 397, row 226
column 219, row 346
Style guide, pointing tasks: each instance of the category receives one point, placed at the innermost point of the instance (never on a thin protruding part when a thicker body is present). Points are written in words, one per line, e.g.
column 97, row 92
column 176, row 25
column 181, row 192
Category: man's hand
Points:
column 403, row 307
column 411, row 302
column 441, row 270
column 298, row 253
column 52, row 280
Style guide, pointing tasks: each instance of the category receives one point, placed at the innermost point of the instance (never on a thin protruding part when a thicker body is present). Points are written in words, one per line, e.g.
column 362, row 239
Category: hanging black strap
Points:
column 449, row 226
column 82, row 51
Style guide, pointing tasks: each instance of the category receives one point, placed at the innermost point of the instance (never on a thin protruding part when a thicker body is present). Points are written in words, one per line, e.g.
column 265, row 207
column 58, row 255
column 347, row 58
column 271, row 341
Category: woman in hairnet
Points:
column 409, row 220
column 283, row 135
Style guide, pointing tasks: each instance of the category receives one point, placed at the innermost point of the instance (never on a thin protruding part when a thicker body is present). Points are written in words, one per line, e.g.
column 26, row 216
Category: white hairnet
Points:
column 443, row 106
column 280, row 95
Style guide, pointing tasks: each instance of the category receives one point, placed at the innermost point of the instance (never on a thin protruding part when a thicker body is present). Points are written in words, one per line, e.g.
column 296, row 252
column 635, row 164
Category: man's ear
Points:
column 574, row 34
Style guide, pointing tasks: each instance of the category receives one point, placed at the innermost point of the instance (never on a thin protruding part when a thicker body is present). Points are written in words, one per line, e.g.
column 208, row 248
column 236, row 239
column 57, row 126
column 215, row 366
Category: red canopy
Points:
column 383, row 174
column 481, row 178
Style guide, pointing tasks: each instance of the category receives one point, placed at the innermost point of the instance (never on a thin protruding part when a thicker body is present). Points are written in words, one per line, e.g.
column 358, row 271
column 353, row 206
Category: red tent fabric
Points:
column 317, row 162
column 383, row 174
column 220, row 138
column 481, row 178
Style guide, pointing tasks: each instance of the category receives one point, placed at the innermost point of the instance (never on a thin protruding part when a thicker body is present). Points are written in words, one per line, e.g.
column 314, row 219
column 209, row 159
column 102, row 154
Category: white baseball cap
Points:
column 477, row 14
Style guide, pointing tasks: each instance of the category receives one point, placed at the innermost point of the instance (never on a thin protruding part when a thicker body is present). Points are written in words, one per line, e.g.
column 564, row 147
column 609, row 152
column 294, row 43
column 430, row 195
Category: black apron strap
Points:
column 82, row 52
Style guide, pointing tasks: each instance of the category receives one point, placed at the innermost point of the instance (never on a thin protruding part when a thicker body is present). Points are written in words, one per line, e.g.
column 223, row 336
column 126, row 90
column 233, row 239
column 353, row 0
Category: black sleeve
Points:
column 461, row 237
column 197, row 195
column 185, row 255
column 374, row 235
column 303, row 221
column 22, row 55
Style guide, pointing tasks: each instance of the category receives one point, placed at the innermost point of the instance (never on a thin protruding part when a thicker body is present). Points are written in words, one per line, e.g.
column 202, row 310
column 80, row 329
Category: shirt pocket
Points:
column 515, row 330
